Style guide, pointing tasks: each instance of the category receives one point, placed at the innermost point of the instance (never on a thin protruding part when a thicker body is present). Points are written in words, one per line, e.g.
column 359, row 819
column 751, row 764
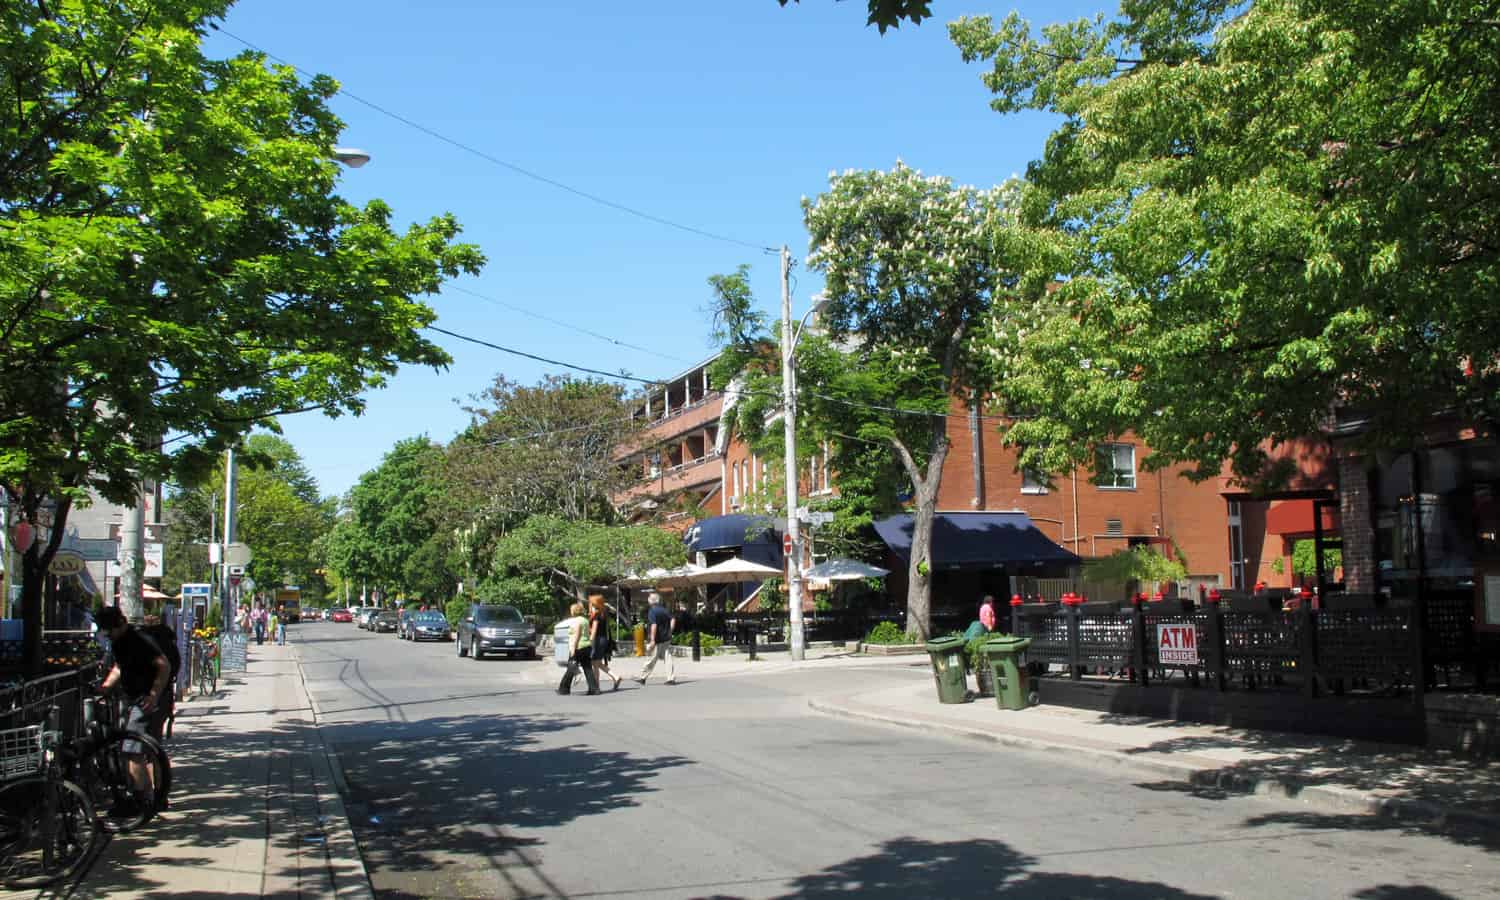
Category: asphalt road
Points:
column 468, row 779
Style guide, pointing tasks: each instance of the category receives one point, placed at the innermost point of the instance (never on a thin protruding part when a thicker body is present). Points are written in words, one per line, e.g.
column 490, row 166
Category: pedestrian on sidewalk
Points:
column 259, row 618
column 659, row 626
column 579, row 656
column 276, row 627
column 142, row 670
column 603, row 638
column 987, row 613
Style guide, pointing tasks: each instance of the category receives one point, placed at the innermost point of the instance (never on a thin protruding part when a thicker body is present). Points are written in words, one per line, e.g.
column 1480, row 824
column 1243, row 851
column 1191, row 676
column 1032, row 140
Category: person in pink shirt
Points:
column 987, row 613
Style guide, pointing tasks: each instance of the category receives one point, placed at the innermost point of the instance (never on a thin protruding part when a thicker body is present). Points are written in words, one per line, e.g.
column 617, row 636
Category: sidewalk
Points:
column 1334, row 776
column 253, row 812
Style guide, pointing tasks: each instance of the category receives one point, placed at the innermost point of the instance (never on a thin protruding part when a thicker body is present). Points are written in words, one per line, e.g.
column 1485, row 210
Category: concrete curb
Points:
column 1202, row 774
column 346, row 864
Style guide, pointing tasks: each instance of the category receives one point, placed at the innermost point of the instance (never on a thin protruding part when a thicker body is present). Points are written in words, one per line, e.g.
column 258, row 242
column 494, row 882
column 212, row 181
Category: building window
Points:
column 1114, row 527
column 1115, row 466
column 1236, row 548
column 1032, row 483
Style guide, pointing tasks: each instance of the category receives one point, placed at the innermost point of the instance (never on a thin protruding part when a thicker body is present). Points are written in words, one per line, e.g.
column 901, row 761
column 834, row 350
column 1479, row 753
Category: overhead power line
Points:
column 656, row 382
column 491, row 158
column 561, row 324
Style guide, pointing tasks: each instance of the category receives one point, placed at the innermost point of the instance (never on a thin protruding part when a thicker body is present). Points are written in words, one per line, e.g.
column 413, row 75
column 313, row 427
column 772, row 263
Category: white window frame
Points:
column 1032, row 484
column 1116, row 469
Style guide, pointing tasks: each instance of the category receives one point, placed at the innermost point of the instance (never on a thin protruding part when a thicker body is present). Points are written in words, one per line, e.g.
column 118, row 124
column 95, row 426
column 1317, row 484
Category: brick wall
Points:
column 1162, row 504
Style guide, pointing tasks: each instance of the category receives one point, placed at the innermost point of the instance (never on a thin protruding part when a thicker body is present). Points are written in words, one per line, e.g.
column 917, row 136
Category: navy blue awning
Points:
column 977, row 540
column 736, row 530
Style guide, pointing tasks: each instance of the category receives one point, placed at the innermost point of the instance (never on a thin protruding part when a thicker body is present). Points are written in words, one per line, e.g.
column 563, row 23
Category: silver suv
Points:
column 495, row 629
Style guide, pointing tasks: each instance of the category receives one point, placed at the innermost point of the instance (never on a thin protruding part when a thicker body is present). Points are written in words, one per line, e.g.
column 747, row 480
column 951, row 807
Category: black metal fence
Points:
column 29, row 703
column 770, row 627
column 1337, row 649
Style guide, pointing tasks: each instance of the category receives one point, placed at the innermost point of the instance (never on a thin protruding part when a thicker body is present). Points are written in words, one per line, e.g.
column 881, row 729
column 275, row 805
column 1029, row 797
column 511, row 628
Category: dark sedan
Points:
column 427, row 626
column 384, row 621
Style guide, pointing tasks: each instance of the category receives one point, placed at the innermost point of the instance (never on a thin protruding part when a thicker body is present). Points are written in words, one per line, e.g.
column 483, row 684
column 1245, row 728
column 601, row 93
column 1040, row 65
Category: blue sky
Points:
column 717, row 114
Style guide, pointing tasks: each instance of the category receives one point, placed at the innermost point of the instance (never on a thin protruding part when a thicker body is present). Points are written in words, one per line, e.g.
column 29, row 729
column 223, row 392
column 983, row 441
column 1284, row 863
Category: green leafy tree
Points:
column 570, row 556
column 1305, row 560
column 1261, row 221
column 1134, row 567
column 279, row 516
column 175, row 266
column 549, row 448
column 393, row 506
column 348, row 551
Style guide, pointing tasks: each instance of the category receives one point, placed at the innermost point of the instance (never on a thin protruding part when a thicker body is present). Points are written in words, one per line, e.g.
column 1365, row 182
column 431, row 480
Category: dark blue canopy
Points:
column 977, row 540
column 737, row 530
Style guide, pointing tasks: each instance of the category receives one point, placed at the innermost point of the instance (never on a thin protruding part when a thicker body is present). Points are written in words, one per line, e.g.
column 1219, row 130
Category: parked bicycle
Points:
column 47, row 824
column 99, row 759
column 206, row 665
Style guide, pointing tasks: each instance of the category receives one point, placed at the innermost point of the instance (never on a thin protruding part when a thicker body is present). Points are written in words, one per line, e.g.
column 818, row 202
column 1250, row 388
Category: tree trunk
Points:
column 919, row 571
column 34, row 576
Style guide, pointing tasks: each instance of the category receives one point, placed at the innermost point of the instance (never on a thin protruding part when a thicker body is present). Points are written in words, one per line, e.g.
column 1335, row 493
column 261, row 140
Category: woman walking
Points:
column 259, row 618
column 602, row 637
column 579, row 657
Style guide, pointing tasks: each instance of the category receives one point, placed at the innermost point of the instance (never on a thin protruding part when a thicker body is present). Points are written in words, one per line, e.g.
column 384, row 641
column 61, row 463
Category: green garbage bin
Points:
column 1011, row 688
column 948, row 669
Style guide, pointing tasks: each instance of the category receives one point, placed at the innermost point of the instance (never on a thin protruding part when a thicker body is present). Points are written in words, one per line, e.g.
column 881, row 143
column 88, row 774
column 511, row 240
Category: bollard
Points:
column 697, row 653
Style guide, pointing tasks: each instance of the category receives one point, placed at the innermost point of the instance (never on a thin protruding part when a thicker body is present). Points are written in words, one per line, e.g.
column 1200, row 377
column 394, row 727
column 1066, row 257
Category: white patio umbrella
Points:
column 845, row 570
column 658, row 577
column 734, row 570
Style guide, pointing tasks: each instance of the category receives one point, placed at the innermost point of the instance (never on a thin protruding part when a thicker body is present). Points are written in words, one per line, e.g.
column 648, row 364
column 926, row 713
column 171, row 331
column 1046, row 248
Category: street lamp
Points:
column 789, row 338
column 353, row 157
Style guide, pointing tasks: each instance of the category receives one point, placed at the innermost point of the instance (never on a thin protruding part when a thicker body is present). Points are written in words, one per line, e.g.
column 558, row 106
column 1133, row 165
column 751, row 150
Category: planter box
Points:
column 892, row 649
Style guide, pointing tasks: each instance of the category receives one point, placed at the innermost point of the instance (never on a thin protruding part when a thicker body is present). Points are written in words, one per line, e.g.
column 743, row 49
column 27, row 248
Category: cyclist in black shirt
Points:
column 142, row 671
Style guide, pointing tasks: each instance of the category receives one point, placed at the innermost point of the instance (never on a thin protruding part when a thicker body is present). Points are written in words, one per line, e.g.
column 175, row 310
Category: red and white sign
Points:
column 786, row 544
column 1177, row 645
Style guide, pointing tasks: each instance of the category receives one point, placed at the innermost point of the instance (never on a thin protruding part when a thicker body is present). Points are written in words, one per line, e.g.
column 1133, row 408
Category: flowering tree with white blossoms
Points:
column 917, row 274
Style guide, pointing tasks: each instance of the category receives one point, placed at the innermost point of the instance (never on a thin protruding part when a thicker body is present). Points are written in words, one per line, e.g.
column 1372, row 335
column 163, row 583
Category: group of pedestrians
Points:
column 591, row 644
column 265, row 621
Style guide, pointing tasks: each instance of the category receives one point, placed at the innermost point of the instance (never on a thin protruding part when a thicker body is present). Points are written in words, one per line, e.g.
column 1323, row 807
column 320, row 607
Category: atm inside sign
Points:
column 1177, row 645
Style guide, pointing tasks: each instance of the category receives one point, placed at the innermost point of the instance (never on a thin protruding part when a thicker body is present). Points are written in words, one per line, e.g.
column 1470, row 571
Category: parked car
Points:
column 341, row 615
column 495, row 629
column 367, row 616
column 403, row 619
column 427, row 626
column 312, row 614
column 384, row 620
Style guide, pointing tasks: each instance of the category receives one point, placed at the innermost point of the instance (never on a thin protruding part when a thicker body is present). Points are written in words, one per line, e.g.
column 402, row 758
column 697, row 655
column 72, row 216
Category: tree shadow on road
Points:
column 448, row 793
column 910, row 867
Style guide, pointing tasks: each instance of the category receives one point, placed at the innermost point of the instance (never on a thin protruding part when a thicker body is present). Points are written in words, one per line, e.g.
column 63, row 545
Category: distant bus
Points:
column 289, row 603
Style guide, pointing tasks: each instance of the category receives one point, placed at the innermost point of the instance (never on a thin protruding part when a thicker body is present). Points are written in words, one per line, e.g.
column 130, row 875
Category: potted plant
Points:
column 979, row 664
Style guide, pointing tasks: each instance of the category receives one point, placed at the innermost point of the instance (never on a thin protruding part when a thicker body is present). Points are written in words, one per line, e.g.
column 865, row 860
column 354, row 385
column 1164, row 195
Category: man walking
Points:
column 142, row 670
column 659, row 625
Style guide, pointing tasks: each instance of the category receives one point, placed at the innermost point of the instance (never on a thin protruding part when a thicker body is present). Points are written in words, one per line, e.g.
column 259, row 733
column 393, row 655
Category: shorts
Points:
column 142, row 722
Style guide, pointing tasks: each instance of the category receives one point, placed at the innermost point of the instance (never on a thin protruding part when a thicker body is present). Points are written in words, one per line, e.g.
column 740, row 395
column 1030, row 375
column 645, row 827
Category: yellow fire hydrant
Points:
column 640, row 639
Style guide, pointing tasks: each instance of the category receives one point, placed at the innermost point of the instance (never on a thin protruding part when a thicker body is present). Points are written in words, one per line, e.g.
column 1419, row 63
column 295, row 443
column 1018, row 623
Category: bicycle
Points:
column 99, row 761
column 47, row 824
column 205, row 666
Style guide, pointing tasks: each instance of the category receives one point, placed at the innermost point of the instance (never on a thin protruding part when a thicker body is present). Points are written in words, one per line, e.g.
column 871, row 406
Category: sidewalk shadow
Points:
column 443, row 793
column 217, row 805
column 911, row 867
column 1400, row 772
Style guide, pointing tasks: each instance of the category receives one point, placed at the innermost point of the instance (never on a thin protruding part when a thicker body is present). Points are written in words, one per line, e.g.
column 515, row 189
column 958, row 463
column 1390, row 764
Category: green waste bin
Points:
column 1011, row 688
column 948, row 669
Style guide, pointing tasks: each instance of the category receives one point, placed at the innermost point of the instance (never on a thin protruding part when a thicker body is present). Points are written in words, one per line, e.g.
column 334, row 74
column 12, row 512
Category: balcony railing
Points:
column 680, row 410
